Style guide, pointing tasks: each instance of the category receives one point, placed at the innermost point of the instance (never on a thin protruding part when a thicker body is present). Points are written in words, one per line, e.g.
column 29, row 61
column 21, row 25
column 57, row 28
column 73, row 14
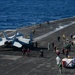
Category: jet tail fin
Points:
column 4, row 34
column 7, row 38
column 31, row 37
column 14, row 38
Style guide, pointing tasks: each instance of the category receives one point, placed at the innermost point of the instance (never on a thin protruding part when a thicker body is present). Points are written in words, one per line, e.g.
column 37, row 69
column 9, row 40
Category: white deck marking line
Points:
column 10, row 57
column 51, row 32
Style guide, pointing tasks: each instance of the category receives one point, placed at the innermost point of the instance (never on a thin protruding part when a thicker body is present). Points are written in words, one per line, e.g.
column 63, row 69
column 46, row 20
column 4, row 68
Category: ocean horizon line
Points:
column 51, row 21
column 38, row 24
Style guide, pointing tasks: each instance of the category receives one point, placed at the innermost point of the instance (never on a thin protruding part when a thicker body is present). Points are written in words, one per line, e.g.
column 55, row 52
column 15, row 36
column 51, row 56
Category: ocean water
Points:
column 18, row 13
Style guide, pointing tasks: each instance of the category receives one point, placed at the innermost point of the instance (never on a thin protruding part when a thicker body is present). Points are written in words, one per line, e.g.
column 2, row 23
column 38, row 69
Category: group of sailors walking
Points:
column 64, row 50
column 26, row 51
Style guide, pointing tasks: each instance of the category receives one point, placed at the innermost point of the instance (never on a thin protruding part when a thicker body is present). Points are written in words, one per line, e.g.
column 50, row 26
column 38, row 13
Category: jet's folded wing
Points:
column 2, row 42
column 24, row 40
column 17, row 44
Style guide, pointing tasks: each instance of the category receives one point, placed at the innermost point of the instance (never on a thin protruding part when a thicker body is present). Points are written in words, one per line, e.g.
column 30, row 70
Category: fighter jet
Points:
column 16, row 40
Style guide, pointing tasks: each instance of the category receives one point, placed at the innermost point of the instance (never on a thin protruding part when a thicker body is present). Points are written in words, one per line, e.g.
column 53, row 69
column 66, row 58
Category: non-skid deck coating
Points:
column 14, row 63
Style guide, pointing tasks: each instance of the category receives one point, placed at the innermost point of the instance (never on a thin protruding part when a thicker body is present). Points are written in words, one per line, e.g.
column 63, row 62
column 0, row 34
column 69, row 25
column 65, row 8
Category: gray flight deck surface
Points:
column 14, row 63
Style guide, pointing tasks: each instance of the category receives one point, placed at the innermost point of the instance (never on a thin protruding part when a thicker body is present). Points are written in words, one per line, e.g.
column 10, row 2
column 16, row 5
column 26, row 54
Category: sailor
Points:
column 60, row 67
column 53, row 46
column 58, row 60
column 66, row 52
column 59, row 64
column 41, row 53
column 48, row 46
column 63, row 50
column 58, row 38
column 64, row 37
column 33, row 31
column 28, row 52
column 24, row 50
column 36, row 44
column 71, row 35
column 57, row 52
